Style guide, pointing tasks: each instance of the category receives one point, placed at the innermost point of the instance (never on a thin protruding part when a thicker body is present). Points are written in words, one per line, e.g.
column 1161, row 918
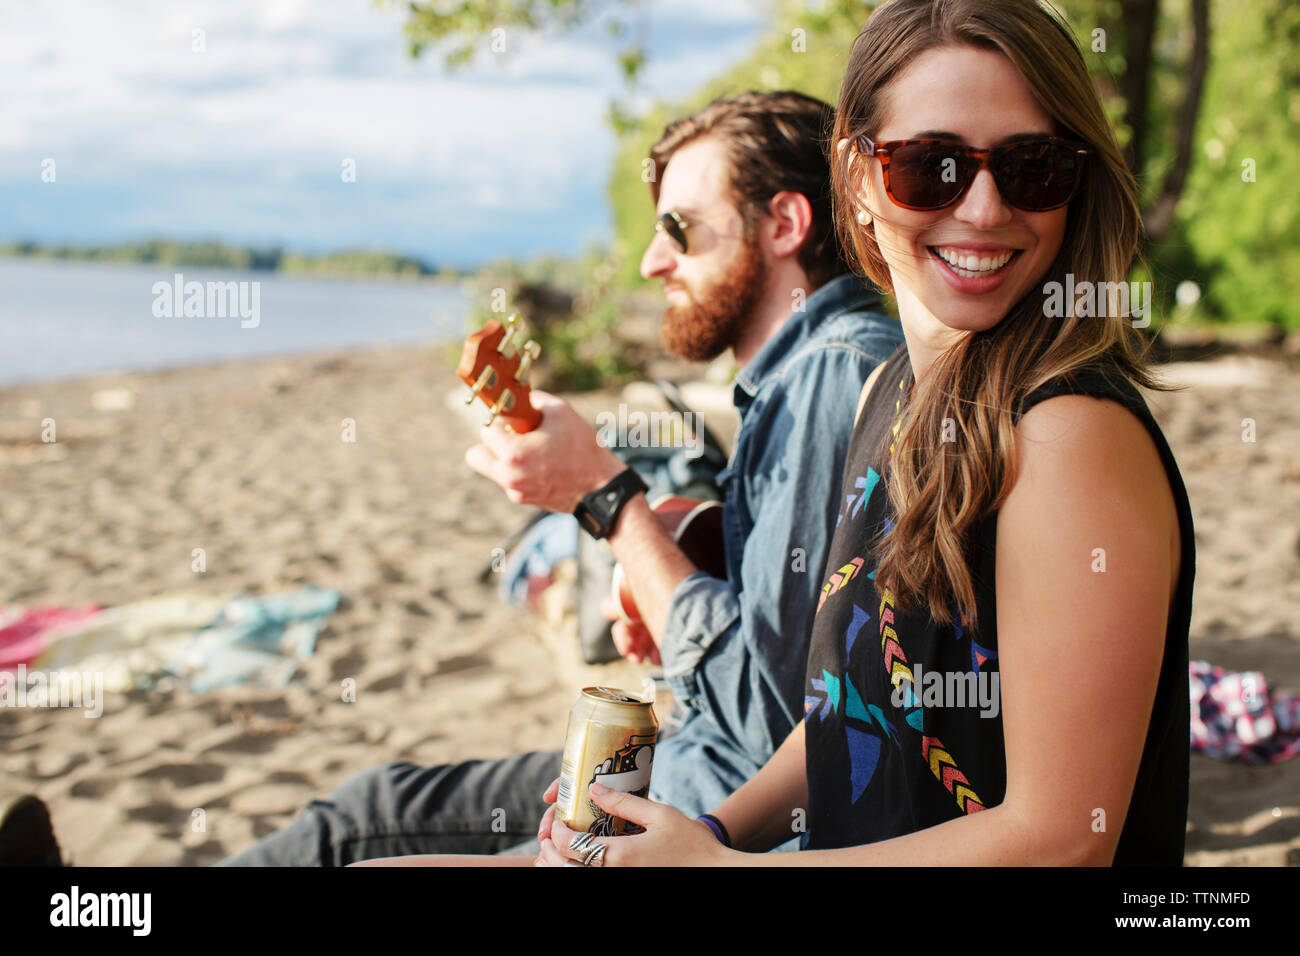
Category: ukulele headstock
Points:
column 493, row 367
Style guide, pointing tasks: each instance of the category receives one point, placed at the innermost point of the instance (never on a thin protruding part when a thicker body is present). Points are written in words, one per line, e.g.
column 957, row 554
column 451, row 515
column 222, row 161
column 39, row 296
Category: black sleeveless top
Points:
column 888, row 753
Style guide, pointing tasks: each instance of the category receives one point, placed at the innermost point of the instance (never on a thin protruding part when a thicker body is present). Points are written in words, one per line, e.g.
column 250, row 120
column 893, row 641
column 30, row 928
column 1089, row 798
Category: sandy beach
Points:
column 246, row 462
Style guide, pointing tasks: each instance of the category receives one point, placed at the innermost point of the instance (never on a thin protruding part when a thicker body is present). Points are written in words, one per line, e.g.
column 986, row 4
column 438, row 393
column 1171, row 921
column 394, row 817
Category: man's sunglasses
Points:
column 927, row 174
column 674, row 227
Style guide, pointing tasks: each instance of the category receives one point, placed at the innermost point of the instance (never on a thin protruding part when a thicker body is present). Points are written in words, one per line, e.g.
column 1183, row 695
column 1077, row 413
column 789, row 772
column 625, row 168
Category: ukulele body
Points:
column 696, row 526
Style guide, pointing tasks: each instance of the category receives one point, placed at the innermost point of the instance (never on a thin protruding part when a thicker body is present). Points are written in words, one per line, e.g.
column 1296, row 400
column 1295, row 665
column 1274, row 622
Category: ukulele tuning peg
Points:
column 531, row 351
column 514, row 325
column 502, row 404
column 485, row 378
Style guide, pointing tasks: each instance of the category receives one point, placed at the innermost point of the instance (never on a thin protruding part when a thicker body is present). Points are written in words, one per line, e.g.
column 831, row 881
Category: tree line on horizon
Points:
column 220, row 255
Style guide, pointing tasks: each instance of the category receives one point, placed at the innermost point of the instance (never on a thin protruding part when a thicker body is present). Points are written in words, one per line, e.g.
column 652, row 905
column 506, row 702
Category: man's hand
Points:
column 554, row 465
column 632, row 638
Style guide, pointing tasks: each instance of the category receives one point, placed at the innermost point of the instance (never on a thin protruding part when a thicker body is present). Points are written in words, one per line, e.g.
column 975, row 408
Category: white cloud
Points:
column 285, row 89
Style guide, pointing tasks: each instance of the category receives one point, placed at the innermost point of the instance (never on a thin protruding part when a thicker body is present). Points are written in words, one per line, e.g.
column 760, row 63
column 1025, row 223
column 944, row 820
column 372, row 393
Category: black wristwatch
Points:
column 598, row 511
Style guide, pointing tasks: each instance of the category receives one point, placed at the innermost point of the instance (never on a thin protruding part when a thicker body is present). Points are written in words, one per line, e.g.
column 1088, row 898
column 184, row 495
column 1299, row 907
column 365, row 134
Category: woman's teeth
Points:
column 971, row 266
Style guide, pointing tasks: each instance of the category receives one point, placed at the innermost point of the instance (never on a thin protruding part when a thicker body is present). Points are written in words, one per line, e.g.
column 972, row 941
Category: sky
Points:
column 245, row 140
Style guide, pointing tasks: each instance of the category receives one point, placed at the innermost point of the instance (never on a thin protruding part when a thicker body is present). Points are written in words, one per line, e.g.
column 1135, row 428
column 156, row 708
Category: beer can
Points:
column 610, row 740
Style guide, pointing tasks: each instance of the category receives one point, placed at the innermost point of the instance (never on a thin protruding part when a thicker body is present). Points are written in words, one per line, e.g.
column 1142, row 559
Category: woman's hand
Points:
column 551, row 795
column 670, row 839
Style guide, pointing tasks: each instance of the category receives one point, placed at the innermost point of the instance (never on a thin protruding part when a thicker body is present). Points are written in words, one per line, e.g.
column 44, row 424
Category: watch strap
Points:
column 598, row 512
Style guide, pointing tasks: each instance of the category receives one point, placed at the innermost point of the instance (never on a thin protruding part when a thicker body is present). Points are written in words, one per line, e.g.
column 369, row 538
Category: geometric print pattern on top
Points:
column 864, row 724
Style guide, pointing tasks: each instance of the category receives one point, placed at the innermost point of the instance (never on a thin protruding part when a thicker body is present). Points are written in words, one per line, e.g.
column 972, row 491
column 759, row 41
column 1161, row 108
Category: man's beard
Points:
column 704, row 328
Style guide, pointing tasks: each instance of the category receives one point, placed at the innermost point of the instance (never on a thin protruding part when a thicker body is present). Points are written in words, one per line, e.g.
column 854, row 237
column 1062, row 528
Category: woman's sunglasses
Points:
column 672, row 225
column 926, row 174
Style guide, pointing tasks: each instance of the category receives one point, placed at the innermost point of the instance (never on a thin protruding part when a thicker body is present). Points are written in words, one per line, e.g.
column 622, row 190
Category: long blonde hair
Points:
column 940, row 489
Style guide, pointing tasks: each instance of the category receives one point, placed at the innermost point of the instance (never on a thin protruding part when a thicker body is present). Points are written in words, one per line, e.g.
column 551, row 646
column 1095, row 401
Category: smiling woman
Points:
column 1066, row 213
column 986, row 538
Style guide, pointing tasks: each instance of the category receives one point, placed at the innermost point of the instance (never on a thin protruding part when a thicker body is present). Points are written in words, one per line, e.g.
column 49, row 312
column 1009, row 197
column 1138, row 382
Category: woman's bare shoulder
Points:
column 1100, row 437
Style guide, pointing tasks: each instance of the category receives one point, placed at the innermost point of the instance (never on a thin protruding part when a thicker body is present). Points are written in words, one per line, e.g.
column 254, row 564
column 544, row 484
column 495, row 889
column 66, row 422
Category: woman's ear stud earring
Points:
column 864, row 218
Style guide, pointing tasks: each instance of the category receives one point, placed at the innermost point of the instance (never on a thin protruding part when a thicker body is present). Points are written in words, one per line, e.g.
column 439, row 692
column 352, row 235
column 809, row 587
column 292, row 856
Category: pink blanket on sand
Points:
column 23, row 630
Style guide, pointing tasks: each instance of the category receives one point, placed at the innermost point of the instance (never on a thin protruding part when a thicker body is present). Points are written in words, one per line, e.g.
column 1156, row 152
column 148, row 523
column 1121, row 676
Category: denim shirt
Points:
column 734, row 651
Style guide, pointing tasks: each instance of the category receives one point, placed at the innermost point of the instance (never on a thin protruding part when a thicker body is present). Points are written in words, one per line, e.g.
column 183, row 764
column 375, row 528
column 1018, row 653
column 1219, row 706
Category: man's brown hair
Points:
column 774, row 142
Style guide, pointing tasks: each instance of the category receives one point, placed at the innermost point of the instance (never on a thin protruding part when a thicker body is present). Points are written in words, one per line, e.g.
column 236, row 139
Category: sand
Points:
column 246, row 461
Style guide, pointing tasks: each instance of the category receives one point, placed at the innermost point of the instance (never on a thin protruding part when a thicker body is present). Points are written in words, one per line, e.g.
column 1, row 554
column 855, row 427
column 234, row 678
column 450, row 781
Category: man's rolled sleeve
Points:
column 702, row 608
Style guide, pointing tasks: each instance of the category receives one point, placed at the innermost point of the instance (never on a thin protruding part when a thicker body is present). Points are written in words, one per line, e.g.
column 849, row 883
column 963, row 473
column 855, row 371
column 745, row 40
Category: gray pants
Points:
column 480, row 806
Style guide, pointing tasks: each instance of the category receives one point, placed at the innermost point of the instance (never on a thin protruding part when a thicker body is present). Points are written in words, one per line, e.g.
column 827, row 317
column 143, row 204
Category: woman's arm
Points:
column 449, row 859
column 771, row 807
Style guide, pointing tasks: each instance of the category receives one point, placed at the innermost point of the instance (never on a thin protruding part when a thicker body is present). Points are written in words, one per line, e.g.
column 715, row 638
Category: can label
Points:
column 627, row 770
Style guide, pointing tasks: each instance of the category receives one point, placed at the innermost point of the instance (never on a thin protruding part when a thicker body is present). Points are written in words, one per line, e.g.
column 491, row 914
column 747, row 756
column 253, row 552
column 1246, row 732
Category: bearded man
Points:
column 747, row 253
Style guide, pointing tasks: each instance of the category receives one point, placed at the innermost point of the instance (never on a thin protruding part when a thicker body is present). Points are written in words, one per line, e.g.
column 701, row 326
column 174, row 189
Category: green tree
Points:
column 1204, row 95
column 1238, row 225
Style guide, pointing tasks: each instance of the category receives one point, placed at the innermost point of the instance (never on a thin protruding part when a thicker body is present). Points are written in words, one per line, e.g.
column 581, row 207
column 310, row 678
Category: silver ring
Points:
column 581, row 841
column 595, row 855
